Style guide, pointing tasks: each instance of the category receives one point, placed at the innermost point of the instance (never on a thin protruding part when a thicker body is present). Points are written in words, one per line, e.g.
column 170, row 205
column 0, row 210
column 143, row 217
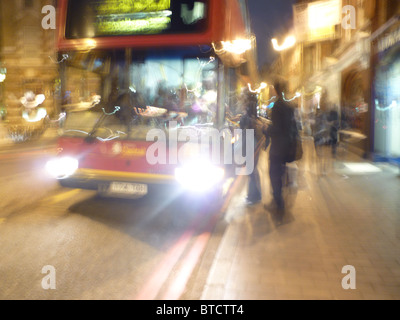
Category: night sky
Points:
column 270, row 19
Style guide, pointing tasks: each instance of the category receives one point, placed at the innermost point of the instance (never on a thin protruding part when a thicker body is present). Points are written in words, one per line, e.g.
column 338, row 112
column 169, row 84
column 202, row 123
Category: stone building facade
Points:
column 27, row 57
column 339, row 61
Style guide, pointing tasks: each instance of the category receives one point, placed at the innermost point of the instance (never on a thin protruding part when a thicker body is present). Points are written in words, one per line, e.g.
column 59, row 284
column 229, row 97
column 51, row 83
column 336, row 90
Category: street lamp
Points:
column 289, row 42
column 238, row 46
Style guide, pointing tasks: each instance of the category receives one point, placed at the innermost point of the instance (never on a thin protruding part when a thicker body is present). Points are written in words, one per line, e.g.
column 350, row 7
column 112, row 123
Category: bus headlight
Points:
column 199, row 176
column 62, row 168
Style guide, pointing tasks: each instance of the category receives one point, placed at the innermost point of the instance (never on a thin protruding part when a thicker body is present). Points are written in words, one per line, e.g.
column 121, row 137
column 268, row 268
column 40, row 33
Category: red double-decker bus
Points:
column 134, row 75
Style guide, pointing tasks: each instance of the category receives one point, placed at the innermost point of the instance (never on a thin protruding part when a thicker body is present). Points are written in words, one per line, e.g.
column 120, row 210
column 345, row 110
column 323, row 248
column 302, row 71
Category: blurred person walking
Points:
column 282, row 134
column 250, row 121
column 334, row 126
column 325, row 134
column 320, row 131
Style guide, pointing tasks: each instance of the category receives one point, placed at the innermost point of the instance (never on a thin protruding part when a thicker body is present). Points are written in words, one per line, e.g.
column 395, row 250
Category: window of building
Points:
column 310, row 60
column 392, row 8
column 361, row 17
column 28, row 4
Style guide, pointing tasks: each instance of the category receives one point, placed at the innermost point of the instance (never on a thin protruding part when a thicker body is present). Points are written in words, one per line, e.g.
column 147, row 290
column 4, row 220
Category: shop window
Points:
column 310, row 60
column 387, row 109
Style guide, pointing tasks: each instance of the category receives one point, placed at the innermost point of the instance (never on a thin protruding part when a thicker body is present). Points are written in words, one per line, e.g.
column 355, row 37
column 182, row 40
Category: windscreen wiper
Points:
column 91, row 137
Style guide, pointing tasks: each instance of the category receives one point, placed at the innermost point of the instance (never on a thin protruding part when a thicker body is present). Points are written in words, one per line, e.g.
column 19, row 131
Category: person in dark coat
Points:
column 249, row 121
column 333, row 120
column 282, row 116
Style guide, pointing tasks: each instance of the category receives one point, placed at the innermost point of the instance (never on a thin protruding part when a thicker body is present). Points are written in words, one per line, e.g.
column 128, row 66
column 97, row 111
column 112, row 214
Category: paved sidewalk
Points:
column 350, row 216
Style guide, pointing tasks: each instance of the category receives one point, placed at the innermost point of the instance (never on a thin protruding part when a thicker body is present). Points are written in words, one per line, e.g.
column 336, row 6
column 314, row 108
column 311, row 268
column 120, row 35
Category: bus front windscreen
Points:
column 149, row 90
column 104, row 18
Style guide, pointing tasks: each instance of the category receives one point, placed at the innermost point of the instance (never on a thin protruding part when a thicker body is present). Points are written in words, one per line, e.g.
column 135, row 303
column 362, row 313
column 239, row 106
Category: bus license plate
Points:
column 128, row 188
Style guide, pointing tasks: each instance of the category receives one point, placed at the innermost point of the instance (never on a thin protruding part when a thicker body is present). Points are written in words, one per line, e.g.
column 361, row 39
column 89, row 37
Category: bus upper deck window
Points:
column 192, row 12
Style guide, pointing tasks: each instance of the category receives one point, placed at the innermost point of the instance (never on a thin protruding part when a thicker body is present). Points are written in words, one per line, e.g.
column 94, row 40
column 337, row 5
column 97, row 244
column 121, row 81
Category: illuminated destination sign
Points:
column 120, row 7
column 132, row 25
column 99, row 18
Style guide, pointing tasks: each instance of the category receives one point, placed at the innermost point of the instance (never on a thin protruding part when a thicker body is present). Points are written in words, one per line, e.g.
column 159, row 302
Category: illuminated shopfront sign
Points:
column 98, row 18
column 317, row 21
column 324, row 14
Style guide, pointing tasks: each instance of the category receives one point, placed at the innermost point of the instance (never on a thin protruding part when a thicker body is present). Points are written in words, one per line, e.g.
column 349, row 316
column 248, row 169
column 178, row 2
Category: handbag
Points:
column 299, row 149
column 295, row 152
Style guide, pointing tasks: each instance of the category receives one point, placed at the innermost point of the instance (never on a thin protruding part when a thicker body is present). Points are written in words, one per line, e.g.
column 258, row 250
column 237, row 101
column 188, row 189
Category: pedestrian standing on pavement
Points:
column 333, row 120
column 325, row 134
column 320, row 130
column 249, row 121
column 279, row 134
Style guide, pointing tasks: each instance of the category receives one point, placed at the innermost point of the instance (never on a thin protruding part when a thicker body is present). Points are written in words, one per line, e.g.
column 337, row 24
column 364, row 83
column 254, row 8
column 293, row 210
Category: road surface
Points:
column 59, row 243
